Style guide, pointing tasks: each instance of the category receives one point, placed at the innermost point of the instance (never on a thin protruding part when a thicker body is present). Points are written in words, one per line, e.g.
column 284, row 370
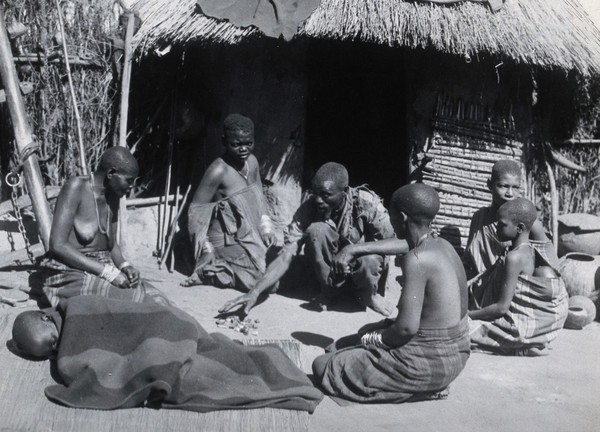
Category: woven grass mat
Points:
column 25, row 408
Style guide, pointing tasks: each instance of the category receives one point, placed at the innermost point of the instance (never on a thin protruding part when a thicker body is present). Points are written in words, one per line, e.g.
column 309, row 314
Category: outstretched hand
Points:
column 248, row 301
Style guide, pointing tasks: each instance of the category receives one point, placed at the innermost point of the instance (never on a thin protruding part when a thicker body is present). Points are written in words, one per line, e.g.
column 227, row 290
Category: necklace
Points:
column 421, row 239
column 246, row 169
column 105, row 230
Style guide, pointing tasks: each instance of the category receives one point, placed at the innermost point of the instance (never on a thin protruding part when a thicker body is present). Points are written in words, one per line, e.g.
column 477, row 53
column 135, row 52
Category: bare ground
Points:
column 558, row 392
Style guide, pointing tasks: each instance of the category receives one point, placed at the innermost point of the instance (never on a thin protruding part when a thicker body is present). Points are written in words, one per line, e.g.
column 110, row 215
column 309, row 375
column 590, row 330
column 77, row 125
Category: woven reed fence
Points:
column 467, row 140
column 39, row 60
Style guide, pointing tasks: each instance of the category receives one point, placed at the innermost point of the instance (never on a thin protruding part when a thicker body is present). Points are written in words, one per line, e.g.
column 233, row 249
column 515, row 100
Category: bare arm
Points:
column 391, row 246
column 210, row 183
column 266, row 231
column 410, row 304
column 274, row 272
column 132, row 274
column 67, row 204
column 512, row 269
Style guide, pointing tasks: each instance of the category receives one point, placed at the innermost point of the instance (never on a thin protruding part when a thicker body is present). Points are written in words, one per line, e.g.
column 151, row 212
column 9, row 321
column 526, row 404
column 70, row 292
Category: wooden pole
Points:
column 553, row 203
column 125, row 85
column 82, row 161
column 174, row 223
column 23, row 136
column 176, row 211
column 165, row 224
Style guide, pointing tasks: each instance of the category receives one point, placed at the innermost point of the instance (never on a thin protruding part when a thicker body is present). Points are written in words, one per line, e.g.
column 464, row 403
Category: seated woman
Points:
column 517, row 312
column 84, row 257
column 483, row 246
column 113, row 354
column 419, row 353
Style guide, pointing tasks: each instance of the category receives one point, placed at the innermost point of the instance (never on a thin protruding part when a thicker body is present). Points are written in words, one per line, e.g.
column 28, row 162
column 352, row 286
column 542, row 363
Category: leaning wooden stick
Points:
column 82, row 161
column 172, row 252
column 125, row 84
column 553, row 203
column 172, row 228
column 168, row 179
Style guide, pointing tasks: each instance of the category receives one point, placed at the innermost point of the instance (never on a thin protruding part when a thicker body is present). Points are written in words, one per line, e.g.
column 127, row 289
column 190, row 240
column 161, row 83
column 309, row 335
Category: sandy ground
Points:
column 558, row 392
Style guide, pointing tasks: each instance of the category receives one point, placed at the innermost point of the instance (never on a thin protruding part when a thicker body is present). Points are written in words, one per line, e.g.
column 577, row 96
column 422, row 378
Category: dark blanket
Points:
column 116, row 354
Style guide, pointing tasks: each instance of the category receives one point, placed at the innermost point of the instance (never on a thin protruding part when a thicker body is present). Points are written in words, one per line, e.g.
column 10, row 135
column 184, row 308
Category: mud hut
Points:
column 395, row 90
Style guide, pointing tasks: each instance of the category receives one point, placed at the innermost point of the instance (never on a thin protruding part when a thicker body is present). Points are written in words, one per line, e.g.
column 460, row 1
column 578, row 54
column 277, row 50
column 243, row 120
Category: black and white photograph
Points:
column 299, row 215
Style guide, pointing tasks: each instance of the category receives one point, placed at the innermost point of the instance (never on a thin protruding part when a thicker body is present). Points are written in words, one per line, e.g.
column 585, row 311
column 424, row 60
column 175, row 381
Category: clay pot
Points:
column 582, row 311
column 581, row 274
column 578, row 232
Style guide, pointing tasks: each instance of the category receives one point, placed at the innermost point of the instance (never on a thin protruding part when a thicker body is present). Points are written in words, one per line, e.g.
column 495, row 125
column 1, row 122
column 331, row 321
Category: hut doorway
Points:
column 356, row 113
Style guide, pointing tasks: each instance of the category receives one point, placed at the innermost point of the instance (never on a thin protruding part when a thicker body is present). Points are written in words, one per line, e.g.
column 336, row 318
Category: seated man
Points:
column 518, row 312
column 118, row 354
column 335, row 216
column 84, row 256
column 422, row 350
column 227, row 219
column 483, row 246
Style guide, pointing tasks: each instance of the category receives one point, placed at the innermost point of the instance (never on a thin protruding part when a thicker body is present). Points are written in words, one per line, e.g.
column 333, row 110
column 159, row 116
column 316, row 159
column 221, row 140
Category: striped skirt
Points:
column 62, row 282
column 429, row 362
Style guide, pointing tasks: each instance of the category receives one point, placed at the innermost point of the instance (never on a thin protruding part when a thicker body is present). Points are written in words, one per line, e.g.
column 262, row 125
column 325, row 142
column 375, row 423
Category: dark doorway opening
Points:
column 356, row 113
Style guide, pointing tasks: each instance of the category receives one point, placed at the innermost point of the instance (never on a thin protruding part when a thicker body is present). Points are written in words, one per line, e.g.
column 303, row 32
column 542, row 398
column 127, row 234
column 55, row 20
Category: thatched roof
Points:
column 549, row 33
column 175, row 22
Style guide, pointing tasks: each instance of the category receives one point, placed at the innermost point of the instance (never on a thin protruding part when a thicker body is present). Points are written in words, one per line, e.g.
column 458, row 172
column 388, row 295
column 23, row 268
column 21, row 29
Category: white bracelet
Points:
column 110, row 273
column 207, row 247
column 266, row 224
column 373, row 338
column 124, row 264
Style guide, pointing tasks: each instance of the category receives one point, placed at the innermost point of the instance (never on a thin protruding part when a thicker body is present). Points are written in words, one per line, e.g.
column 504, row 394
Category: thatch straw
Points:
column 178, row 22
column 546, row 33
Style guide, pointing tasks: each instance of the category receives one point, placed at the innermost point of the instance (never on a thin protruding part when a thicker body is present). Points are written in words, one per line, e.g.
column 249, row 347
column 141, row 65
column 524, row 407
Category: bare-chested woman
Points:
column 84, row 257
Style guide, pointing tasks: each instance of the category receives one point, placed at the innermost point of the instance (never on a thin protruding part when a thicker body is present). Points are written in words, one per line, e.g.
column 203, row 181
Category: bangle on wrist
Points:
column 124, row 264
column 266, row 224
column 109, row 273
column 373, row 338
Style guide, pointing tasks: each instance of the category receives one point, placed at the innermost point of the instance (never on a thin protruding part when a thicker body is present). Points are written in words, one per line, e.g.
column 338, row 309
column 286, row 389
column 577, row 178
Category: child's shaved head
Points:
column 34, row 333
column 519, row 210
column 504, row 167
column 417, row 200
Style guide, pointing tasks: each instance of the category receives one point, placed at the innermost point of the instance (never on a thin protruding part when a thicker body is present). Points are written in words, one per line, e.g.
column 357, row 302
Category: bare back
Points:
column 434, row 273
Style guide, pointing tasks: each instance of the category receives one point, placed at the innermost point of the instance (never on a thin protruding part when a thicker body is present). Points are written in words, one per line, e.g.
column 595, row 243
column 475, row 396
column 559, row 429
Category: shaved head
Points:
column 237, row 122
column 504, row 167
column 519, row 210
column 332, row 172
column 32, row 335
column 120, row 159
column 418, row 201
